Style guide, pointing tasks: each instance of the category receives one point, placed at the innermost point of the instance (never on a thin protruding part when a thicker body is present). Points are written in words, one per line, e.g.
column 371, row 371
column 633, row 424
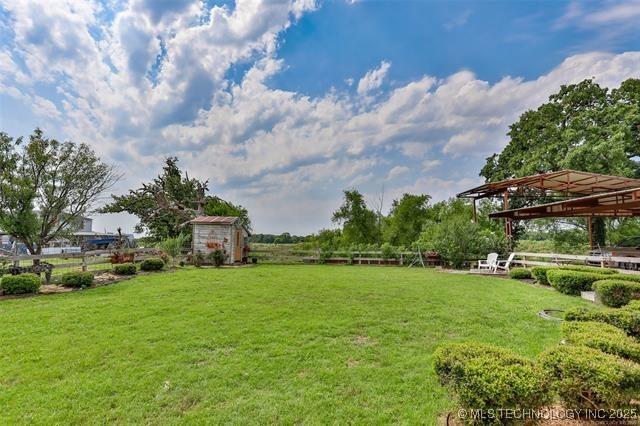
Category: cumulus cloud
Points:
column 152, row 82
column 373, row 79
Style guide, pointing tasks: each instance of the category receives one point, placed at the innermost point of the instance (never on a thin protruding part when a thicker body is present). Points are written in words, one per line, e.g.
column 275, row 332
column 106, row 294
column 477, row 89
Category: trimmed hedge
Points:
column 627, row 277
column 520, row 273
column 20, row 284
column 572, row 282
column 540, row 272
column 125, row 269
column 153, row 264
column 584, row 377
column 626, row 318
column 486, row 377
column 77, row 279
column 616, row 293
column 605, row 337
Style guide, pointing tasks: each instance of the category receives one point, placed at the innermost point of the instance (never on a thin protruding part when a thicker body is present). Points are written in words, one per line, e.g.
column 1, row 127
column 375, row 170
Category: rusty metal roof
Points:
column 215, row 220
column 611, row 204
column 564, row 182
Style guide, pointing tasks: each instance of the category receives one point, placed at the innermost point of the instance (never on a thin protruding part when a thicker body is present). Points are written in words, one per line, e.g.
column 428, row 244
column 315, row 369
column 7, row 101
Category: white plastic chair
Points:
column 504, row 264
column 490, row 263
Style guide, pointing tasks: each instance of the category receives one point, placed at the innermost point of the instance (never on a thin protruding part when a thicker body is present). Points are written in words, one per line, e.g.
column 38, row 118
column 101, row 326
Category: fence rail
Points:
column 557, row 258
column 95, row 260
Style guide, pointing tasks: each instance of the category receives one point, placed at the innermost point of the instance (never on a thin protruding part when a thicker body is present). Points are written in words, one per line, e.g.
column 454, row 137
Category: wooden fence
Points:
column 95, row 261
column 549, row 259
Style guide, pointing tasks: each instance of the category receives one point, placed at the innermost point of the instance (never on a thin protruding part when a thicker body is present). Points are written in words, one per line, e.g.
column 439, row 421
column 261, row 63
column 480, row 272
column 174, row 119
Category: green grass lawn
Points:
column 270, row 344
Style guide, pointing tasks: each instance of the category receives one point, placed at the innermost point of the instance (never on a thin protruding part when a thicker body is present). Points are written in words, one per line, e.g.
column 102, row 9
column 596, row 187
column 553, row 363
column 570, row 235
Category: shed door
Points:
column 237, row 247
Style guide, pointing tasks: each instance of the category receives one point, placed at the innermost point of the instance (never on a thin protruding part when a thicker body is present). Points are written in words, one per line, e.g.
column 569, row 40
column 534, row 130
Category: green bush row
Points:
column 77, row 279
column 487, row 377
column 125, row 269
column 153, row 264
column 626, row 318
column 540, row 272
column 20, row 284
column 573, row 282
column 520, row 273
column 616, row 293
column 604, row 337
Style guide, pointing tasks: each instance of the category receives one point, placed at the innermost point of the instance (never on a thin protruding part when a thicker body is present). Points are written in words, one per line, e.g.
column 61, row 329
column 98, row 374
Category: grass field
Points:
column 270, row 344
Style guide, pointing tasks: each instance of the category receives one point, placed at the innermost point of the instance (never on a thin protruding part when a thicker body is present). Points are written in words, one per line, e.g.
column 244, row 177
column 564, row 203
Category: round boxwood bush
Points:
column 605, row 337
column 77, row 279
column 20, row 284
column 540, row 274
column 520, row 273
column 153, row 264
column 572, row 282
column 626, row 318
column 486, row 377
column 584, row 377
column 124, row 269
column 616, row 293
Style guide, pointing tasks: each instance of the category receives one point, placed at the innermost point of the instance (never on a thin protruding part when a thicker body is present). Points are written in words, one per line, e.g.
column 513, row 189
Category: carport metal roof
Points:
column 610, row 204
column 566, row 183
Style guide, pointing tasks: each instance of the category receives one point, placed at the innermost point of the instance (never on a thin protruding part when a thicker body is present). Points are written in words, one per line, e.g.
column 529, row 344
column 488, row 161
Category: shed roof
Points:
column 214, row 220
column 610, row 204
column 566, row 182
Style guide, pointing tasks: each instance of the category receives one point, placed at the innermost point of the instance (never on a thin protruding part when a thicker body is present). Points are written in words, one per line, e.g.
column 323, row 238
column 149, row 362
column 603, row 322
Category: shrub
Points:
column 389, row 251
column 627, row 277
column 77, row 279
column 586, row 377
column 486, row 377
column 153, row 264
column 616, row 293
column 572, row 282
column 626, row 318
column 585, row 268
column 605, row 337
column 217, row 257
column 540, row 274
column 20, row 284
column 124, row 269
column 198, row 259
column 520, row 273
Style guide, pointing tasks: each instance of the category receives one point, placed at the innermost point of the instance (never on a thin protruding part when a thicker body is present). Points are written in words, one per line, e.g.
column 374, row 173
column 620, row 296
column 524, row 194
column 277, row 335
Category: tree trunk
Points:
column 599, row 232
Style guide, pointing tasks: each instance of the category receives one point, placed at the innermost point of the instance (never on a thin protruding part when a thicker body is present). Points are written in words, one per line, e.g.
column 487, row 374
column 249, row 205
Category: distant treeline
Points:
column 284, row 238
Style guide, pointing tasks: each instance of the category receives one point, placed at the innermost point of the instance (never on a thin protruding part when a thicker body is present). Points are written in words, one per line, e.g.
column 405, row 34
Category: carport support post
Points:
column 507, row 221
column 475, row 212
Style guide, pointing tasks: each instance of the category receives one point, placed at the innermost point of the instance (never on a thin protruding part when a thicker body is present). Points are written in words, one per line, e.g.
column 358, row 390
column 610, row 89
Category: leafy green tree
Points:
column 46, row 186
column 405, row 221
column 359, row 224
column 582, row 127
column 165, row 205
column 452, row 233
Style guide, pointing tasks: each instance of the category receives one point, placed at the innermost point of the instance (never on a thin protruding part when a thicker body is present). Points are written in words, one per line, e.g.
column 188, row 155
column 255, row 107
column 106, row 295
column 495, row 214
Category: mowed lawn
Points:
column 268, row 344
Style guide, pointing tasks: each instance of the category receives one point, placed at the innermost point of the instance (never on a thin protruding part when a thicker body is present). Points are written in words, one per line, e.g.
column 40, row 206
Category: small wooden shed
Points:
column 220, row 232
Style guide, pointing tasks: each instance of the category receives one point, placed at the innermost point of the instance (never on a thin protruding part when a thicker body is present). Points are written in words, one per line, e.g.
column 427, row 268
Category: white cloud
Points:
column 283, row 154
column 397, row 171
column 609, row 13
column 373, row 79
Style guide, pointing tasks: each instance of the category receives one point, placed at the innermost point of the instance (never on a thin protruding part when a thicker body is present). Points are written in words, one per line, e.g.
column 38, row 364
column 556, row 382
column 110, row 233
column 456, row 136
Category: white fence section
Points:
column 547, row 259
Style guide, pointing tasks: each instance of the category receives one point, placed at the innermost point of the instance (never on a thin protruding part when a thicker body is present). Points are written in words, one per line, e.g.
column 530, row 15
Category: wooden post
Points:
column 475, row 212
column 507, row 220
column 590, row 230
column 84, row 263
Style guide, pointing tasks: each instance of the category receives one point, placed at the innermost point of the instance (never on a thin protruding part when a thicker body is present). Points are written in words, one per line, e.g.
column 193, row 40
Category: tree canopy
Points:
column 359, row 223
column 166, row 204
column 583, row 127
column 406, row 218
column 46, row 186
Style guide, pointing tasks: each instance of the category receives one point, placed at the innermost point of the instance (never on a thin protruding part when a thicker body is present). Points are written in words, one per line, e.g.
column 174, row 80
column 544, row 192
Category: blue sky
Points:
column 284, row 103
